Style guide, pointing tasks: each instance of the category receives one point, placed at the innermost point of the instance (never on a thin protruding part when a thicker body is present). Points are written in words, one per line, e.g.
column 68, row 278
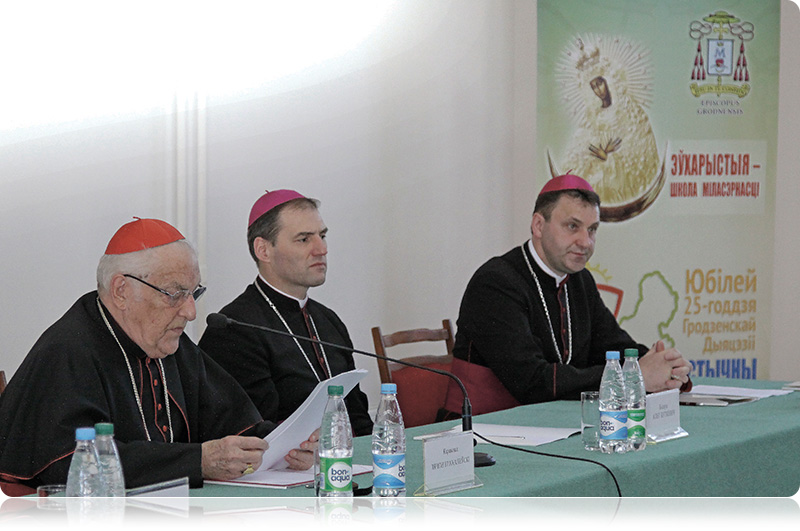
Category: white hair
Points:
column 138, row 263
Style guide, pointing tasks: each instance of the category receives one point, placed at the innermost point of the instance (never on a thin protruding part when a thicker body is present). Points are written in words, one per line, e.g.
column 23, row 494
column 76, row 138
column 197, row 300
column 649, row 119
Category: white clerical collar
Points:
column 540, row 262
column 301, row 302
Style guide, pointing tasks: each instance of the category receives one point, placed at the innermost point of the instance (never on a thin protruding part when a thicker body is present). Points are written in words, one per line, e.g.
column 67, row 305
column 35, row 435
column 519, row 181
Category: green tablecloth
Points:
column 750, row 449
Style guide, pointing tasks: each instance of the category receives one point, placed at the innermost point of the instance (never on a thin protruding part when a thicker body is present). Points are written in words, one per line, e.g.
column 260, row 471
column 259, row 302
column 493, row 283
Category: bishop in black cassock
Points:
column 534, row 315
column 502, row 325
column 287, row 240
column 272, row 367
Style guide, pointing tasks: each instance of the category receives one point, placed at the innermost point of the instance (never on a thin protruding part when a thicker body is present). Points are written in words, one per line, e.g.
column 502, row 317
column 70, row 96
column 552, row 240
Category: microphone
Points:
column 218, row 320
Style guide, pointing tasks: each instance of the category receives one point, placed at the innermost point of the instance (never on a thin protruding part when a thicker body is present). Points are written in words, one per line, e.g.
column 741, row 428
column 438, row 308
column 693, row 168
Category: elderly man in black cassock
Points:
column 120, row 355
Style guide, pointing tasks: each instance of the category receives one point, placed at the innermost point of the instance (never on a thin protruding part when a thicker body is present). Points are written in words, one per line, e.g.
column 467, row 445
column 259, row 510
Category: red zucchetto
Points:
column 142, row 234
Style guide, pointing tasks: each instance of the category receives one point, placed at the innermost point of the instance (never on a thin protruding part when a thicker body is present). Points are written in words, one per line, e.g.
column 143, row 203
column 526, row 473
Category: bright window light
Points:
column 71, row 60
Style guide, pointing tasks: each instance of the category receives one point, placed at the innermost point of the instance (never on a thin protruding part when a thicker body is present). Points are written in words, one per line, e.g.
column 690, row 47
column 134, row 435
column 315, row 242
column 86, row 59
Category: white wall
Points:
column 419, row 144
column 408, row 146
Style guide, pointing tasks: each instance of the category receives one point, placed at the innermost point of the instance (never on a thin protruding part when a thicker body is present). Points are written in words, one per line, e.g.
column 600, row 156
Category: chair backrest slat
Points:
column 414, row 336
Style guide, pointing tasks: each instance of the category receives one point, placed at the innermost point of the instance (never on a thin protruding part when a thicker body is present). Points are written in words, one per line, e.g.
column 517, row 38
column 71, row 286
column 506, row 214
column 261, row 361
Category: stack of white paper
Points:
column 306, row 418
column 716, row 395
column 742, row 392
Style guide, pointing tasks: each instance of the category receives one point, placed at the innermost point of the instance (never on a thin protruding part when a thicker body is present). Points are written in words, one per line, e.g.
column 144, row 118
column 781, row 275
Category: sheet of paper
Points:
column 520, row 435
column 306, row 418
column 736, row 391
column 282, row 479
column 793, row 386
column 691, row 399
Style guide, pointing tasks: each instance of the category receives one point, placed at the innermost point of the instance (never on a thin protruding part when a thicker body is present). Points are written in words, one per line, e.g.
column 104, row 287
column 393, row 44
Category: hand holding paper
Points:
column 294, row 431
column 303, row 458
column 290, row 445
column 226, row 458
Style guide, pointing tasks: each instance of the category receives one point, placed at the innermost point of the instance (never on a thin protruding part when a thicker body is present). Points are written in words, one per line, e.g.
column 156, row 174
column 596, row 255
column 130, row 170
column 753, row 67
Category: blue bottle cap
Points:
column 612, row 355
column 84, row 434
column 389, row 389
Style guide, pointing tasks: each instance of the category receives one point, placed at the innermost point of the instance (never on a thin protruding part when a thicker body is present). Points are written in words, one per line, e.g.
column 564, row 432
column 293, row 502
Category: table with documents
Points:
column 746, row 449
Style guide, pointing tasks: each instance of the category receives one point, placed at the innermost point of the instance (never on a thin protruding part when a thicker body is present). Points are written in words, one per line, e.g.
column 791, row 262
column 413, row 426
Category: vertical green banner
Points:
column 669, row 110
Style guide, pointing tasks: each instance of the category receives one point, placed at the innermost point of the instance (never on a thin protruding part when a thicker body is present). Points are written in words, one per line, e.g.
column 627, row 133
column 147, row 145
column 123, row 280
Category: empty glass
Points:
column 590, row 419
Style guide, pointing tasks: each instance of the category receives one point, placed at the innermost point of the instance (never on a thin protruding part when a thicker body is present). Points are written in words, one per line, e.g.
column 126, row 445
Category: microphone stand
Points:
column 218, row 320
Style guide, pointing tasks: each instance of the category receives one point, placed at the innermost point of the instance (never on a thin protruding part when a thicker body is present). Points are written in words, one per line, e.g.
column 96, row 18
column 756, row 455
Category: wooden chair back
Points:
column 420, row 393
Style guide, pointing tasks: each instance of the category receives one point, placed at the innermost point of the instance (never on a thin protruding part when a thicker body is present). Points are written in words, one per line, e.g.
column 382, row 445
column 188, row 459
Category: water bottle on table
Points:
column 613, row 407
column 636, row 396
column 333, row 465
column 388, row 446
column 85, row 477
column 110, row 464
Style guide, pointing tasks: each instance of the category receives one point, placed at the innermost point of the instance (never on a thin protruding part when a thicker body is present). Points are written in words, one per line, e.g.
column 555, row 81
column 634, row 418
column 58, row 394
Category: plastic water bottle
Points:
column 85, row 477
column 634, row 389
column 388, row 446
column 110, row 463
column 333, row 466
column 613, row 407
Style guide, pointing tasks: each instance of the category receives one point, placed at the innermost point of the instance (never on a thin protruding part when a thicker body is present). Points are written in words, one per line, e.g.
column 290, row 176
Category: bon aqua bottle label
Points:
column 613, row 425
column 338, row 473
column 389, row 471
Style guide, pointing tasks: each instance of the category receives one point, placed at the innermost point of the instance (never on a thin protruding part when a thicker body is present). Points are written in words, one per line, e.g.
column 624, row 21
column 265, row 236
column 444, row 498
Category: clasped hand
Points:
column 664, row 368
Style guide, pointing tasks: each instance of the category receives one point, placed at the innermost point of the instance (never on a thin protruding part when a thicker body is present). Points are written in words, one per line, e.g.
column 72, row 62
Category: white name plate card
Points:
column 448, row 463
column 664, row 416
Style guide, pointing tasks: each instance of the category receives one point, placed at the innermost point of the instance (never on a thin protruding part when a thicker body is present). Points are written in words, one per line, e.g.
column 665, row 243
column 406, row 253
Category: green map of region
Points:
column 657, row 281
